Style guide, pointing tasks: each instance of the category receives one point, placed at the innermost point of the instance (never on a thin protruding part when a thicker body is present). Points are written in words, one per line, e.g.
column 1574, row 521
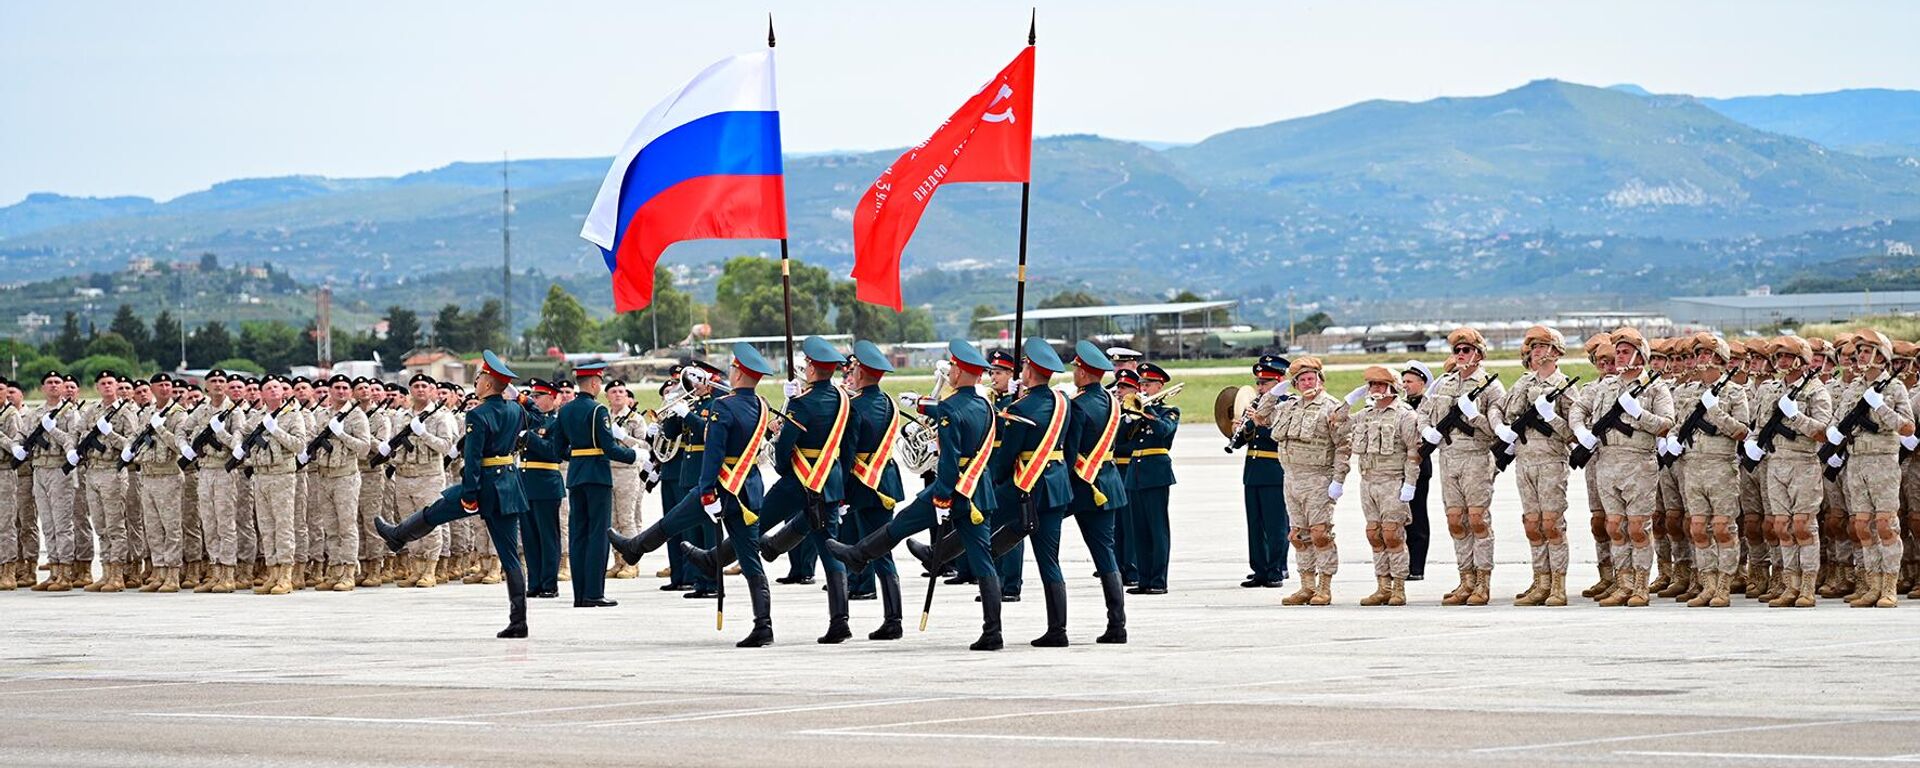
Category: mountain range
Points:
column 1594, row 196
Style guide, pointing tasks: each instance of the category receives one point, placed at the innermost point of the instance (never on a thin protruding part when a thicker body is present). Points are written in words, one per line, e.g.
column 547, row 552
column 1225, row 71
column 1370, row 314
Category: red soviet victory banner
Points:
column 989, row 138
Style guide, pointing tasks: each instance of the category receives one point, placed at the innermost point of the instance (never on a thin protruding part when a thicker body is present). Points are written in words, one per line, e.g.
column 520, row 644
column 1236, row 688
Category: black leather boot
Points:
column 1056, row 636
column 630, row 549
column 990, row 639
column 516, row 608
column 889, row 606
column 866, row 551
column 1005, row 538
column 410, row 529
column 784, row 538
column 709, row 560
column 762, row 633
column 934, row 558
column 837, row 631
column 1113, row 588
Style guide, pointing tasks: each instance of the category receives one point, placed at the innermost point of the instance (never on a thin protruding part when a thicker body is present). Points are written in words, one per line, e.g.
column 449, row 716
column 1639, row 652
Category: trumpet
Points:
column 1136, row 404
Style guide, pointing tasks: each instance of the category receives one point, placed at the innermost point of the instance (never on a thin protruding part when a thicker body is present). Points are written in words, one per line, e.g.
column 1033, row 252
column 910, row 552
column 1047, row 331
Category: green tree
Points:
column 70, row 344
column 208, row 343
column 663, row 322
column 978, row 328
column 563, row 322
column 112, row 345
column 877, row 323
column 209, row 263
column 403, row 334
column 239, row 364
column 129, row 327
column 31, row 371
column 87, row 367
column 748, row 297
column 164, row 345
column 1212, row 318
column 275, row 345
column 1314, row 323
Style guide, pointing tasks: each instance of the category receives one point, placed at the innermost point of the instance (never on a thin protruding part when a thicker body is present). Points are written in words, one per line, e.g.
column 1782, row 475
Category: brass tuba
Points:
column 919, row 444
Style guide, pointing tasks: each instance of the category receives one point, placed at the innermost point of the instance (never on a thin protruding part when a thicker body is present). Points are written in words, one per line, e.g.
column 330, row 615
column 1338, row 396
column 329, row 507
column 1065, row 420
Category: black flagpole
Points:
column 786, row 279
column 1020, row 277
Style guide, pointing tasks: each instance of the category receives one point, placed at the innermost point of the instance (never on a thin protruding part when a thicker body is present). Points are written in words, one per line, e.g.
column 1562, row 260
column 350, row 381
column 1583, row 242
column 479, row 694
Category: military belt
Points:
column 553, row 465
column 1275, row 455
column 1122, row 460
column 586, row 452
column 811, row 453
column 694, row 448
column 1149, row 452
column 1051, row 455
column 498, row 461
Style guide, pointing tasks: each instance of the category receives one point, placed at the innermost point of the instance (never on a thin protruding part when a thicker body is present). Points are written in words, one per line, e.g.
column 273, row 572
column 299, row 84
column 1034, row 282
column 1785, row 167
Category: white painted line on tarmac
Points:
column 1008, row 715
column 96, row 688
column 1671, row 735
column 611, row 705
column 313, row 718
column 1011, row 737
column 731, row 713
column 1763, row 756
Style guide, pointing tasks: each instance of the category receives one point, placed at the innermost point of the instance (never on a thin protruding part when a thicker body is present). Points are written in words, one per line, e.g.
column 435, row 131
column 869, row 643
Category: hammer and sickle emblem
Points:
column 1003, row 116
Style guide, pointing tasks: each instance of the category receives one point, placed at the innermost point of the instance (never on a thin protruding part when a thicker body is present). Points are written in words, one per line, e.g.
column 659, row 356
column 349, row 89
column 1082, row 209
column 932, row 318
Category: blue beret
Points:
column 1086, row 355
column 964, row 353
column 745, row 356
column 1040, row 353
column 821, row 352
column 870, row 356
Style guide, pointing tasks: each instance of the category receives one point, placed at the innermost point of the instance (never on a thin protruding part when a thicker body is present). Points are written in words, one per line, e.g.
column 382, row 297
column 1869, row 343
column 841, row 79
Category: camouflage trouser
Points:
column 1873, row 490
column 1381, row 505
column 273, row 505
column 215, row 495
column 53, row 497
column 191, row 540
column 335, row 510
column 1795, row 489
column 373, row 503
column 306, row 546
column 412, row 494
column 1466, row 482
column 1543, row 494
column 1711, row 489
column 136, row 520
column 1309, row 507
column 627, row 493
column 29, row 525
column 12, row 547
column 106, row 494
column 160, row 505
column 245, row 523
column 1628, row 481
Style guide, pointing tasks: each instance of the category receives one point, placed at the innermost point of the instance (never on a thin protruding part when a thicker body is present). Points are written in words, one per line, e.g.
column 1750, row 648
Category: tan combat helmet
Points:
column 1791, row 345
column 1822, row 348
column 1632, row 336
column 1378, row 374
column 1540, row 335
column 1906, row 350
column 1707, row 342
column 1598, row 346
column 1467, row 336
column 1868, row 337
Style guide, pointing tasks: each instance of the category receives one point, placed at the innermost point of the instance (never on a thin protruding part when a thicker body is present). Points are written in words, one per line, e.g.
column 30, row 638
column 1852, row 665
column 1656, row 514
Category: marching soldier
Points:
column 1010, row 512
column 1793, row 484
column 1098, row 494
column 1871, row 469
column 1264, row 479
column 1312, row 433
column 1638, row 408
column 875, row 487
column 728, row 487
column 1533, row 431
column 1709, row 468
column 489, row 487
column 1149, row 481
column 702, row 377
column 1466, row 464
column 154, row 449
column 268, row 439
column 583, row 433
column 1384, row 440
column 966, row 433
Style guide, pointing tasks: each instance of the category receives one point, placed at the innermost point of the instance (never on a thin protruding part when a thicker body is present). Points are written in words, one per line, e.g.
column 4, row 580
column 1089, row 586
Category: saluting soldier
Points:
column 728, row 487
column 1466, row 465
column 875, row 487
column 1539, row 446
column 1311, row 430
column 1149, row 481
column 966, row 425
column 1709, row 469
column 1264, row 478
column 489, row 487
column 583, row 433
column 1384, row 440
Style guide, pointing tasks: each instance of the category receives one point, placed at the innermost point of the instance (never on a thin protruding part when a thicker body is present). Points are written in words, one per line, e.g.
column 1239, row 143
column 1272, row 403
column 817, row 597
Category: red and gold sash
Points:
column 1028, row 472
column 977, row 466
column 1087, row 467
column 869, row 471
column 733, row 473
column 813, row 474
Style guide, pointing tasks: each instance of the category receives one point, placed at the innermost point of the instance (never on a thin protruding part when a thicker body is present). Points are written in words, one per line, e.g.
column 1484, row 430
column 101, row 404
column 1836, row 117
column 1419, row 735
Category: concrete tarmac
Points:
column 1213, row 673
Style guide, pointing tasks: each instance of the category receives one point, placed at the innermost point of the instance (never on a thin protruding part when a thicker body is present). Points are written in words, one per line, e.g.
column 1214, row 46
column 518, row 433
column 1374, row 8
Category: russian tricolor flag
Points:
column 704, row 163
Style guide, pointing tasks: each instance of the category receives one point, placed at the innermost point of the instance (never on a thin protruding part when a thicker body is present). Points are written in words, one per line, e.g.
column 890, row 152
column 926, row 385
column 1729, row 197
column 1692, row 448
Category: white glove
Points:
column 126, row 454
column 1675, row 447
column 1335, row 489
column 19, row 453
column 618, row 433
column 1355, row 395
column 46, row 423
column 239, row 453
column 1909, row 442
column 186, row 450
column 1660, row 445
column 73, row 458
column 646, row 464
column 218, row 425
column 909, row 400
column 1753, row 450
column 1788, row 407
column 652, row 431
column 102, row 425
column 1506, row 433
column 1833, row 435
column 940, row 514
column 1709, row 399
column 1544, row 407
column 417, row 426
column 303, row 457
column 1406, row 491
column 681, row 410
column 1835, row 461
column 712, row 509
column 942, row 366
column 157, row 421
column 1586, row 438
column 1467, row 408
column 1874, row 400
column 383, row 448
column 1631, row 405
column 1430, row 435
column 272, row 424
column 792, row 388
column 338, row 429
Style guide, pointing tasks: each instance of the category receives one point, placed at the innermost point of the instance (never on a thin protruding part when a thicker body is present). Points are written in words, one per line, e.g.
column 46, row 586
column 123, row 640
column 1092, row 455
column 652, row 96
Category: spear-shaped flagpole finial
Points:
column 1033, row 22
column 770, row 30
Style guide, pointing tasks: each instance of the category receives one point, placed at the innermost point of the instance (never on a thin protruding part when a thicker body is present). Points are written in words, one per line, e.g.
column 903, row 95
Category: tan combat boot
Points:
column 153, row 585
column 265, row 583
column 7, row 582
column 1460, row 593
column 1776, row 583
column 1380, row 592
column 1789, row 590
column 369, row 573
column 110, row 580
column 1304, row 593
column 428, row 578
column 1481, row 581
column 1556, row 590
column 1638, row 595
column 46, row 583
column 492, row 574
column 1736, row 582
column 1709, row 588
column 663, row 573
column 566, row 568
column 1665, row 569
column 626, row 571
column 1868, row 594
column 1846, row 585
column 473, row 571
column 209, row 580
column 1723, row 596
column 1807, row 598
column 1397, row 591
column 1889, row 591
column 1603, row 586
column 170, row 580
column 1537, row 594
column 82, row 574
column 106, row 575
column 1677, row 586
column 343, row 578
column 223, row 576
column 1323, row 591
column 407, row 573
column 1623, row 588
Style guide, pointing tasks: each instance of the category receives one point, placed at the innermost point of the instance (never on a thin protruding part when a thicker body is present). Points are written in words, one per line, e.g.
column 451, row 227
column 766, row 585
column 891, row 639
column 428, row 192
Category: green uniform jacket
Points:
column 1090, row 410
column 1153, row 434
column 581, row 428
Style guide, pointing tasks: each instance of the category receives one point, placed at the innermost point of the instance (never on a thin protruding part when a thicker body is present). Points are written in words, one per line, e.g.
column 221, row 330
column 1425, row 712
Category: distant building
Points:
column 34, row 321
column 89, row 293
column 439, row 362
column 1743, row 312
column 140, row 265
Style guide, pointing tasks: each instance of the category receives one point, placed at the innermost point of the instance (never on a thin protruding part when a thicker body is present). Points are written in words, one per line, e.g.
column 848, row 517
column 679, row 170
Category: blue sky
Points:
column 163, row 98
